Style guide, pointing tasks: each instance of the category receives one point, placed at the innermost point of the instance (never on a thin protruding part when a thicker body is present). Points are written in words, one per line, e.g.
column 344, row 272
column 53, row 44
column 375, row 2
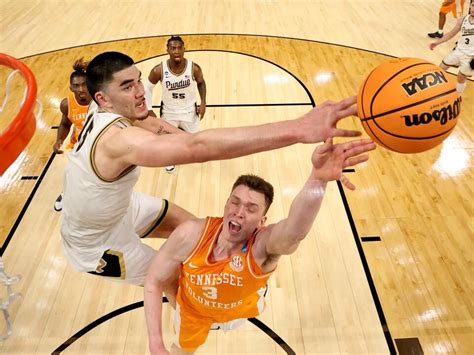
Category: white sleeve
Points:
column 148, row 93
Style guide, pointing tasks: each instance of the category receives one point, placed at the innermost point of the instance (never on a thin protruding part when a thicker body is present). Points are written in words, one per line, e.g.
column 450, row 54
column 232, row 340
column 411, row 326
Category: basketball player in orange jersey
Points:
column 177, row 76
column 462, row 55
column 224, row 263
column 104, row 219
column 74, row 110
column 453, row 6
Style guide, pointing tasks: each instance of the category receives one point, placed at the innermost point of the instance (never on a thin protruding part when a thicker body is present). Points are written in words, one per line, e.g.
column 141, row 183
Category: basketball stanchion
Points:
column 7, row 281
column 12, row 142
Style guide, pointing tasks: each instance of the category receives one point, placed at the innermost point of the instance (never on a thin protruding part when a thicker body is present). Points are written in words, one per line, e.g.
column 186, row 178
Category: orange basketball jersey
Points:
column 77, row 115
column 224, row 290
column 450, row 6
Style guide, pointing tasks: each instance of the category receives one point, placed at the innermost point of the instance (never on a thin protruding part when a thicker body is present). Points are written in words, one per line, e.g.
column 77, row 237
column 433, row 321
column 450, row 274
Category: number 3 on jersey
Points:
column 179, row 96
column 210, row 292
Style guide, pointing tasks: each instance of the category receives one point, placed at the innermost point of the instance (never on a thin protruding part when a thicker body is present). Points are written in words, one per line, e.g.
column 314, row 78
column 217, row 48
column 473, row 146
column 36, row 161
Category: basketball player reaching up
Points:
column 103, row 218
column 462, row 55
column 177, row 75
column 73, row 110
column 224, row 263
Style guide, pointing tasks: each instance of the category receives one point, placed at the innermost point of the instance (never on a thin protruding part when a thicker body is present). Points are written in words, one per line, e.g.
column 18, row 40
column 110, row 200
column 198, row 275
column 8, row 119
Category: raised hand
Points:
column 330, row 159
column 320, row 123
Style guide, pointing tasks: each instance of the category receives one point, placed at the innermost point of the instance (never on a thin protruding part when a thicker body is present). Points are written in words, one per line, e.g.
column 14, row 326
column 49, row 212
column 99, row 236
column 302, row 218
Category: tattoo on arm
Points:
column 162, row 130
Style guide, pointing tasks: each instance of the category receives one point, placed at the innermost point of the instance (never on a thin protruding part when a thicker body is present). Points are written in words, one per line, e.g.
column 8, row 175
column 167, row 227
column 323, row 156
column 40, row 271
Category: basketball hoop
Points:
column 19, row 132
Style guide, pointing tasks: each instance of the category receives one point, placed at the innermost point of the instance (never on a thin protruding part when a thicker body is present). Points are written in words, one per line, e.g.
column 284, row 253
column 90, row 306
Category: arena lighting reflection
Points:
column 452, row 160
column 430, row 315
column 276, row 79
column 323, row 77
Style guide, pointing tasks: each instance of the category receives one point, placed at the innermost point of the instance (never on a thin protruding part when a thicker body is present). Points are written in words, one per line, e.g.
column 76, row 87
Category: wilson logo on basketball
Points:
column 442, row 115
column 424, row 82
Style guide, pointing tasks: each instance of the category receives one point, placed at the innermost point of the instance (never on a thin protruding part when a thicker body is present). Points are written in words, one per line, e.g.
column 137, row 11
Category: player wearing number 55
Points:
column 224, row 263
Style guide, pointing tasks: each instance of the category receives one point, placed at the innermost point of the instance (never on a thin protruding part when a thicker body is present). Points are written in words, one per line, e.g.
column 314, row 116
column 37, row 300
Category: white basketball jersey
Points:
column 466, row 41
column 179, row 91
column 92, row 205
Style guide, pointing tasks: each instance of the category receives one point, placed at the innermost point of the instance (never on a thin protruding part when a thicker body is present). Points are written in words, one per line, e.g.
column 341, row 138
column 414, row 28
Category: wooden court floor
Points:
column 338, row 293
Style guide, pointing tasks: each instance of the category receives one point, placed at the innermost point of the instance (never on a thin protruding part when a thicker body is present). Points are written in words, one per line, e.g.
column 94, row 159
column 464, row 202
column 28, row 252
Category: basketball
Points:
column 408, row 105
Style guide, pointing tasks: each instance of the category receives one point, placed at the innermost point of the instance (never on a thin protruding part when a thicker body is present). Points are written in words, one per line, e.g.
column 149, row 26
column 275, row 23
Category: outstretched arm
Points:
column 448, row 35
column 162, row 271
column 134, row 146
column 328, row 162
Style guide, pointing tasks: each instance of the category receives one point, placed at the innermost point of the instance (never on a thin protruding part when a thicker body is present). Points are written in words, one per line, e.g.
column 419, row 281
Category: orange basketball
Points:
column 408, row 105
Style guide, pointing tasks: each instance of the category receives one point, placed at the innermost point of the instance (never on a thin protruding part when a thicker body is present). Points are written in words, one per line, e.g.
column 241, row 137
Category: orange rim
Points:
column 19, row 132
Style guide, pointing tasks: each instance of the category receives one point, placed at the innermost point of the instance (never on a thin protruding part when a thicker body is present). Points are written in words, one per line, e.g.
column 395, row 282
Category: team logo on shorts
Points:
column 100, row 268
column 236, row 263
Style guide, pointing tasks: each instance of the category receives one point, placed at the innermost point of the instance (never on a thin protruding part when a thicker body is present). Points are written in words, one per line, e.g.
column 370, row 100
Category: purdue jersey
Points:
column 223, row 290
column 92, row 205
column 179, row 90
column 77, row 115
column 466, row 41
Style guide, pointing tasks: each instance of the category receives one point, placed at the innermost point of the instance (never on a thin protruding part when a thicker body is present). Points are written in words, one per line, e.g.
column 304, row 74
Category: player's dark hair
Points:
column 256, row 183
column 101, row 69
column 174, row 38
column 79, row 69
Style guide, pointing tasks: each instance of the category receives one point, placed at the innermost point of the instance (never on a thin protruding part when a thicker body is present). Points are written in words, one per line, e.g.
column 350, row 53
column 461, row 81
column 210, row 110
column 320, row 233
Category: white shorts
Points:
column 122, row 255
column 456, row 58
column 187, row 122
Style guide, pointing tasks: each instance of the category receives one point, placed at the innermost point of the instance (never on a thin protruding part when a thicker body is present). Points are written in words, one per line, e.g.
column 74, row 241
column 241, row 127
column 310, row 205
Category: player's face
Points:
column 176, row 51
column 79, row 88
column 125, row 94
column 243, row 213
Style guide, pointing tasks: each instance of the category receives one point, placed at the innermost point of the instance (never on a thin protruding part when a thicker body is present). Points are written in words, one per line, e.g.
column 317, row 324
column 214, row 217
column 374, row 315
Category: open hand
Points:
column 330, row 159
column 320, row 123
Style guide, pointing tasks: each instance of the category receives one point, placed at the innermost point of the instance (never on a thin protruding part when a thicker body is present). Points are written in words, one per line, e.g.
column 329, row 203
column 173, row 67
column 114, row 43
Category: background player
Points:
column 462, row 55
column 74, row 110
column 177, row 75
column 453, row 6
column 225, row 262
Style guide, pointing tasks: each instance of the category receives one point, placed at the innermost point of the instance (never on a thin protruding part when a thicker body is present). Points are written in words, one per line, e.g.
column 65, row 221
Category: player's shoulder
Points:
column 192, row 226
column 187, row 235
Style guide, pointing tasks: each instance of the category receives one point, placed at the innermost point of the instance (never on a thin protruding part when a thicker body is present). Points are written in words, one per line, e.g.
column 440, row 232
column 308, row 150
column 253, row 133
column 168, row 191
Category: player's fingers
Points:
column 347, row 183
column 337, row 132
column 356, row 147
column 325, row 147
column 345, row 112
column 355, row 160
column 343, row 104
